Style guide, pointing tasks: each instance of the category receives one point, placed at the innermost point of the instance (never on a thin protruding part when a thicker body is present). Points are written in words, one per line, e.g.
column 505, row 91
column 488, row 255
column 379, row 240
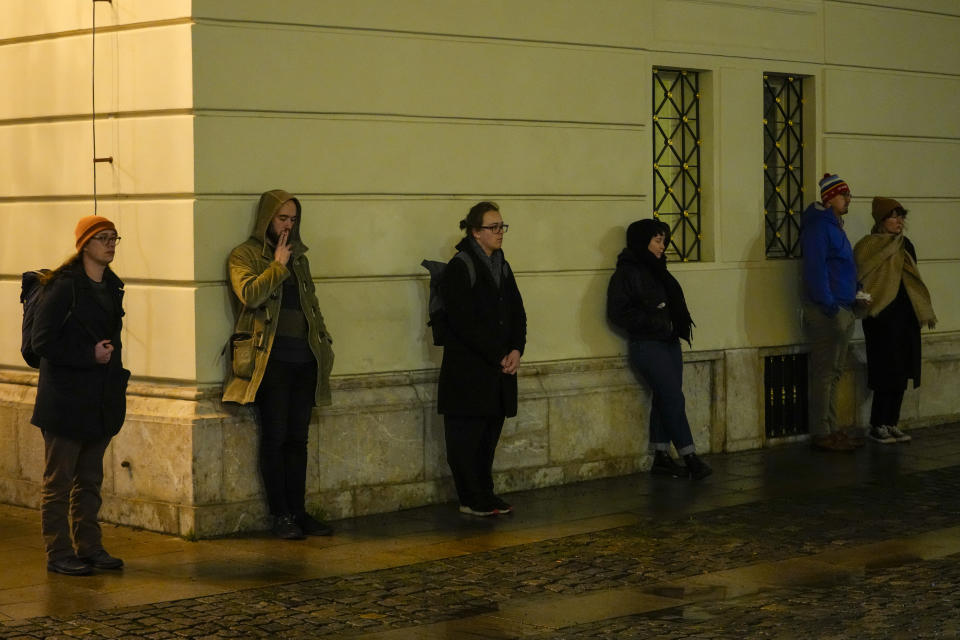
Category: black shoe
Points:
column 285, row 527
column 479, row 510
column 69, row 566
column 102, row 560
column 698, row 468
column 501, row 505
column 664, row 465
column 313, row 527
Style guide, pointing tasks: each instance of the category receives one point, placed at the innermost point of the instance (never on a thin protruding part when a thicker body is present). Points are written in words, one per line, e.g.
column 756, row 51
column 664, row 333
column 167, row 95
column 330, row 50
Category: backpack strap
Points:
column 471, row 270
column 73, row 305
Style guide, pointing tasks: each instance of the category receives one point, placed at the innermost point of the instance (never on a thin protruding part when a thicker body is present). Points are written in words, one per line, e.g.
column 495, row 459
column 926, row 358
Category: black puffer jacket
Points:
column 638, row 301
column 484, row 323
column 78, row 398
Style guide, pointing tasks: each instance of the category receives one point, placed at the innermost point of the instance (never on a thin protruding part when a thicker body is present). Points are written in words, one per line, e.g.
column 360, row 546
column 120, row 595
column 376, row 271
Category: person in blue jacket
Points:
column 830, row 293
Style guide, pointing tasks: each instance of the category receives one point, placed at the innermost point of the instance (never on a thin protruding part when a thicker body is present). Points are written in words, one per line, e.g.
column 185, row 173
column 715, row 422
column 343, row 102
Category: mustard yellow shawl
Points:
column 882, row 262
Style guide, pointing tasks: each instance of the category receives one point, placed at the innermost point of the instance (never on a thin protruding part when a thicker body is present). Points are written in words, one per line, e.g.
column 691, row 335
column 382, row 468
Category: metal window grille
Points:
column 676, row 158
column 785, row 395
column 782, row 163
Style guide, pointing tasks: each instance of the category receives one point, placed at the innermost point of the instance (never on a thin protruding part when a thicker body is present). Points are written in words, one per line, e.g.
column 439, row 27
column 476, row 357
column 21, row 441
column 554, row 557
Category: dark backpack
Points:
column 435, row 308
column 30, row 291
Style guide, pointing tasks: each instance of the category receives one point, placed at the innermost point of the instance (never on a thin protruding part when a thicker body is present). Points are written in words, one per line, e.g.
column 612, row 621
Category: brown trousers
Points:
column 72, row 477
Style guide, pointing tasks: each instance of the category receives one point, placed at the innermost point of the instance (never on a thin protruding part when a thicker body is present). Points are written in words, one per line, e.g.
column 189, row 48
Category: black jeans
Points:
column 471, row 445
column 885, row 408
column 285, row 402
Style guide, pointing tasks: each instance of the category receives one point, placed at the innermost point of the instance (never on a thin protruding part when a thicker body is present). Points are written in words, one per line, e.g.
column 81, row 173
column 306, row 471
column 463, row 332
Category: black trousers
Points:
column 471, row 445
column 285, row 403
column 885, row 408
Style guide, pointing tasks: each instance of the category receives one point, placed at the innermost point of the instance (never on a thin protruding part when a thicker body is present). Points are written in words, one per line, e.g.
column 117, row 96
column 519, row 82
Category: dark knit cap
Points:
column 883, row 207
column 640, row 233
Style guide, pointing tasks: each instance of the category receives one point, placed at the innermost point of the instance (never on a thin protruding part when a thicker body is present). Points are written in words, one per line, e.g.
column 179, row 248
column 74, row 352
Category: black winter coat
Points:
column 78, row 398
column 485, row 323
column 638, row 304
column 893, row 342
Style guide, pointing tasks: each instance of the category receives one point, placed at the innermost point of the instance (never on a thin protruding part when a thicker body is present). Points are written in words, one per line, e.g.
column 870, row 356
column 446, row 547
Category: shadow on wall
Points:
column 750, row 296
column 611, row 244
column 767, row 295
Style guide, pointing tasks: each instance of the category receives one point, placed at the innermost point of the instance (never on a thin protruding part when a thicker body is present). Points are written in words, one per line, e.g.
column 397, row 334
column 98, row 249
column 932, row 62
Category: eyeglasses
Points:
column 108, row 240
column 496, row 228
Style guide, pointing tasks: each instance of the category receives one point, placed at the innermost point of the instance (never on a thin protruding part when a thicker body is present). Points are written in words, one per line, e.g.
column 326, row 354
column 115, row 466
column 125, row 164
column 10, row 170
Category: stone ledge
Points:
column 192, row 464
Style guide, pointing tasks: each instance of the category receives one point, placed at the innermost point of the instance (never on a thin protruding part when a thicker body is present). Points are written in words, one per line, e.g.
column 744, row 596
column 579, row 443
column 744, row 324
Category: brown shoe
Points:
column 854, row 437
column 832, row 442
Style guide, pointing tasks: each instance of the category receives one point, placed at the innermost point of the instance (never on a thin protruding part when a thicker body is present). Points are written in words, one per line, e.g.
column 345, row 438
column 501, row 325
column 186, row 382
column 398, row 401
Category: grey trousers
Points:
column 829, row 341
column 70, row 500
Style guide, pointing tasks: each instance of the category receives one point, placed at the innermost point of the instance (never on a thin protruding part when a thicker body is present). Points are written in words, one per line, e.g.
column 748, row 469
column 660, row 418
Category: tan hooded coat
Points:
column 257, row 282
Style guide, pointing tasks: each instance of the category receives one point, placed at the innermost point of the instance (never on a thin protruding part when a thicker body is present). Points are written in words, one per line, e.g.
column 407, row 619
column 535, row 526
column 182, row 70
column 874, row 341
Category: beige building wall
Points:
column 389, row 119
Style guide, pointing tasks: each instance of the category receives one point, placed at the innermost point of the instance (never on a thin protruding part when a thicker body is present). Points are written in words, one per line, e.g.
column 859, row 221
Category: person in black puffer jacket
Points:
column 647, row 303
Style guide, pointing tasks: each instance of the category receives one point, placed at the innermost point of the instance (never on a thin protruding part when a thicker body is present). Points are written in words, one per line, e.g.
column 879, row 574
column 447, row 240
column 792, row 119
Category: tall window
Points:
column 782, row 163
column 676, row 158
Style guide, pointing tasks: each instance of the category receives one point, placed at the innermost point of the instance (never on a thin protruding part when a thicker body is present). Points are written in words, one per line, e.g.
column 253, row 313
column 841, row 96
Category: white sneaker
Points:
column 895, row 432
column 881, row 434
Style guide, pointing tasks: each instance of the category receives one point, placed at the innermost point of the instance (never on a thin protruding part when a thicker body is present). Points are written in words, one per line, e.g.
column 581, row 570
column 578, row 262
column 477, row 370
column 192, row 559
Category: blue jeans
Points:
column 660, row 364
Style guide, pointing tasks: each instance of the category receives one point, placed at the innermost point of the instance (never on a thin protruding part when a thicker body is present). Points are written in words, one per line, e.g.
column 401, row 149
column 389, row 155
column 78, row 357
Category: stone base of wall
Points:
column 186, row 464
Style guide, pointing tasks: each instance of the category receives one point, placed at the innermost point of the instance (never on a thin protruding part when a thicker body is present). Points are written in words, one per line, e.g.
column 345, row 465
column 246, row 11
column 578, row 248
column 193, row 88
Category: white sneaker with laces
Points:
column 881, row 434
column 895, row 432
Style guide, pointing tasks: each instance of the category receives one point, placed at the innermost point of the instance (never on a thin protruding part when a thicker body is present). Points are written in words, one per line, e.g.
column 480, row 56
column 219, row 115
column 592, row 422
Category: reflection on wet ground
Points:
column 777, row 543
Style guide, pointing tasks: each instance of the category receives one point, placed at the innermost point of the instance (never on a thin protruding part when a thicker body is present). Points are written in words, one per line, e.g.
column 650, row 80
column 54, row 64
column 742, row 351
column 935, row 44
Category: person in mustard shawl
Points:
column 887, row 269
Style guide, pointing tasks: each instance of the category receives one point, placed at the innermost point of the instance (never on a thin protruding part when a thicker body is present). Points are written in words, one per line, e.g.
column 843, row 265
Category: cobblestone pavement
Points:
column 917, row 600
column 892, row 595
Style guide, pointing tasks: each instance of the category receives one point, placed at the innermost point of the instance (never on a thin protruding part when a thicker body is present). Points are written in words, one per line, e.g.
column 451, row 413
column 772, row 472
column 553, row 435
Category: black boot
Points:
column 697, row 467
column 664, row 465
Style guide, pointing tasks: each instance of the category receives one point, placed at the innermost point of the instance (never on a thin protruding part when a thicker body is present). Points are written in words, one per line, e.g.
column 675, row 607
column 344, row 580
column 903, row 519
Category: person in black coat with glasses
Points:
column 485, row 334
column 81, row 395
column 647, row 303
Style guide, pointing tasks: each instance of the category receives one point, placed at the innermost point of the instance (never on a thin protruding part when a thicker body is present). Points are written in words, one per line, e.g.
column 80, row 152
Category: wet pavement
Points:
column 778, row 543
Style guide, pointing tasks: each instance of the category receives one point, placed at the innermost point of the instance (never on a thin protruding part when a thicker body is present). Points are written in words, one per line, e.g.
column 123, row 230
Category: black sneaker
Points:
column 102, row 560
column 501, row 505
column 313, row 527
column 69, row 566
column 665, row 465
column 698, row 468
column 479, row 510
column 285, row 527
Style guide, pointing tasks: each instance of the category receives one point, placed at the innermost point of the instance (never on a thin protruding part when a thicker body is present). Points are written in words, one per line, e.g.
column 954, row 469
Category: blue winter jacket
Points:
column 829, row 272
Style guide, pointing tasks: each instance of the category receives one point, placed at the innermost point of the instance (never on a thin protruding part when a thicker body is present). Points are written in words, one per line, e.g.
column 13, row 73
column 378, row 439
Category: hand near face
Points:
column 510, row 363
column 282, row 253
column 102, row 351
